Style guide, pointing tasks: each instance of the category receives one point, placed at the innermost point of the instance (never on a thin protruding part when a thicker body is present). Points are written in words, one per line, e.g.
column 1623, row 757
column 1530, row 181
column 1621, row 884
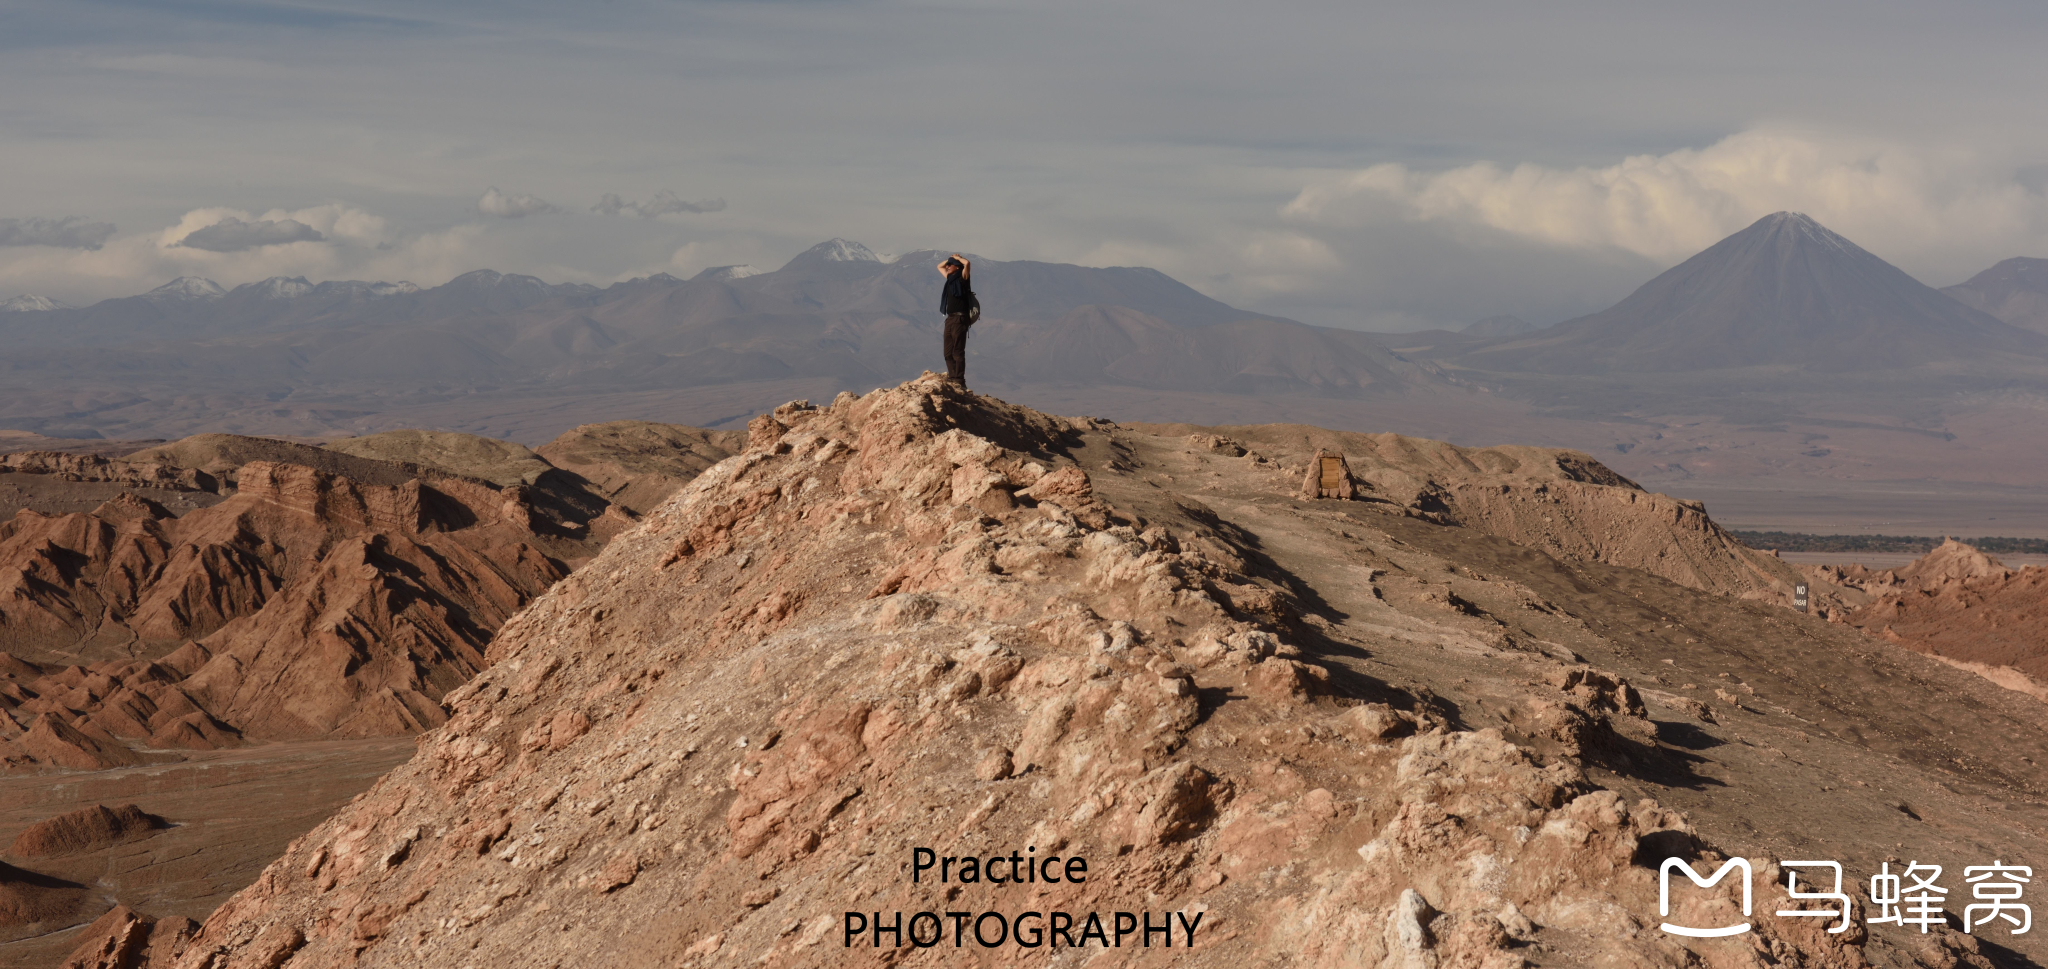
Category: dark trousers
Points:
column 956, row 348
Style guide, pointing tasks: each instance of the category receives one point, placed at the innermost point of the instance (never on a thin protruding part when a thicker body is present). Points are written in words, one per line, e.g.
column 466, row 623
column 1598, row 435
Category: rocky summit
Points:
column 909, row 645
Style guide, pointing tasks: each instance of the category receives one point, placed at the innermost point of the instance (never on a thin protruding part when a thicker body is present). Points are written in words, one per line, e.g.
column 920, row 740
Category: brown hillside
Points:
column 31, row 903
column 85, row 830
column 1562, row 502
column 502, row 463
column 1338, row 733
column 223, row 455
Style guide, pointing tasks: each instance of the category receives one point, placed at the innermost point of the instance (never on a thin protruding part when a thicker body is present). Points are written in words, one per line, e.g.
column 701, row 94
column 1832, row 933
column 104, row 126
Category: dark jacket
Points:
column 958, row 296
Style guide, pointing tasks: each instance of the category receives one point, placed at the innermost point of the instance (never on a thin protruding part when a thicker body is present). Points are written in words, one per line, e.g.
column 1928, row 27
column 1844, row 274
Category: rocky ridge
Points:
column 638, row 464
column 921, row 618
column 1562, row 502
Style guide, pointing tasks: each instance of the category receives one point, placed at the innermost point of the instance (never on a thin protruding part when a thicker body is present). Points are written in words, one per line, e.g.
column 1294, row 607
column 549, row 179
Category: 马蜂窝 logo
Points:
column 1912, row 898
column 1664, row 896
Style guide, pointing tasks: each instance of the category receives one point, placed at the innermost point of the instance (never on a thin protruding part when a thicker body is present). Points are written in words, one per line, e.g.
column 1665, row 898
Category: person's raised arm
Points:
column 966, row 268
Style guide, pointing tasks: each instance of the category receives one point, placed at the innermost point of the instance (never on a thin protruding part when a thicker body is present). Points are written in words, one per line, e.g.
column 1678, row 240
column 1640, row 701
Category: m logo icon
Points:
column 1664, row 897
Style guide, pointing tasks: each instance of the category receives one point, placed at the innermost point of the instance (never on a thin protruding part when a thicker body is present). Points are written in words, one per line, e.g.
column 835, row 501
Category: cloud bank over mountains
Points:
column 1351, row 165
column 234, row 235
column 1389, row 246
column 1915, row 202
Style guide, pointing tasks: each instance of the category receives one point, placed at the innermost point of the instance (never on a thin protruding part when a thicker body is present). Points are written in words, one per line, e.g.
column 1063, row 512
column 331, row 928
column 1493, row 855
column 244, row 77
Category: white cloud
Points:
column 336, row 222
column 234, row 235
column 664, row 202
column 507, row 206
column 1935, row 210
column 339, row 221
column 66, row 233
column 1281, row 261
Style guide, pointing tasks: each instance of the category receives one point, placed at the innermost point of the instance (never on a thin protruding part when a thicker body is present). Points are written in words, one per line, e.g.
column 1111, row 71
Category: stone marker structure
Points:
column 1329, row 476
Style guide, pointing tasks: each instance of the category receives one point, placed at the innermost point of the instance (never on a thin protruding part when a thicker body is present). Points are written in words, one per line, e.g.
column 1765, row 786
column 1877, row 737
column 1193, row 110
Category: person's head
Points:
column 950, row 266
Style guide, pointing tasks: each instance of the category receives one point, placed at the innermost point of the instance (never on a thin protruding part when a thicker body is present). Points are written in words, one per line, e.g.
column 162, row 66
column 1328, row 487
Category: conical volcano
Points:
column 1784, row 292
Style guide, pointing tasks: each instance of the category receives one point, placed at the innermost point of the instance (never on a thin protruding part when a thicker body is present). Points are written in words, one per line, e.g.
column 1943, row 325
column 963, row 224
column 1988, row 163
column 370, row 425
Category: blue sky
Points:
column 1376, row 166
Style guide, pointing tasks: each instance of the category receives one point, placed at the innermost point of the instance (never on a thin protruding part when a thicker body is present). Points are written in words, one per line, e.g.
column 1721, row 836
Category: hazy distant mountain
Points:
column 1784, row 291
column 1113, row 345
column 1495, row 327
column 30, row 303
column 837, row 314
column 186, row 288
column 836, row 250
column 193, row 308
column 2015, row 291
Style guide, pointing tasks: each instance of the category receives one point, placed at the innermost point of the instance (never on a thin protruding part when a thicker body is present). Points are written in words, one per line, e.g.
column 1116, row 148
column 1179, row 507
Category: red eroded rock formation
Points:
column 126, row 939
column 95, row 467
column 224, row 588
column 1955, row 602
column 306, row 605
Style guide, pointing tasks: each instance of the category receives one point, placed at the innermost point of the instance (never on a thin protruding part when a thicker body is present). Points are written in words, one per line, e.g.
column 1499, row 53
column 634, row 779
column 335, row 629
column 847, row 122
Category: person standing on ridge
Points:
column 962, row 310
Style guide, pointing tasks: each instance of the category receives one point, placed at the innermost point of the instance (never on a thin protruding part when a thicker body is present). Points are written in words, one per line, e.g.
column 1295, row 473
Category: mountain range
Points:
column 1784, row 292
column 1784, row 355
column 836, row 317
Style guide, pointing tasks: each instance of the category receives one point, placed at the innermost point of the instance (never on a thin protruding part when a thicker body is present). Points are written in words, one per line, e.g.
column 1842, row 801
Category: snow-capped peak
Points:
column 282, row 287
column 1799, row 225
column 843, row 250
column 30, row 303
column 729, row 272
column 188, row 287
